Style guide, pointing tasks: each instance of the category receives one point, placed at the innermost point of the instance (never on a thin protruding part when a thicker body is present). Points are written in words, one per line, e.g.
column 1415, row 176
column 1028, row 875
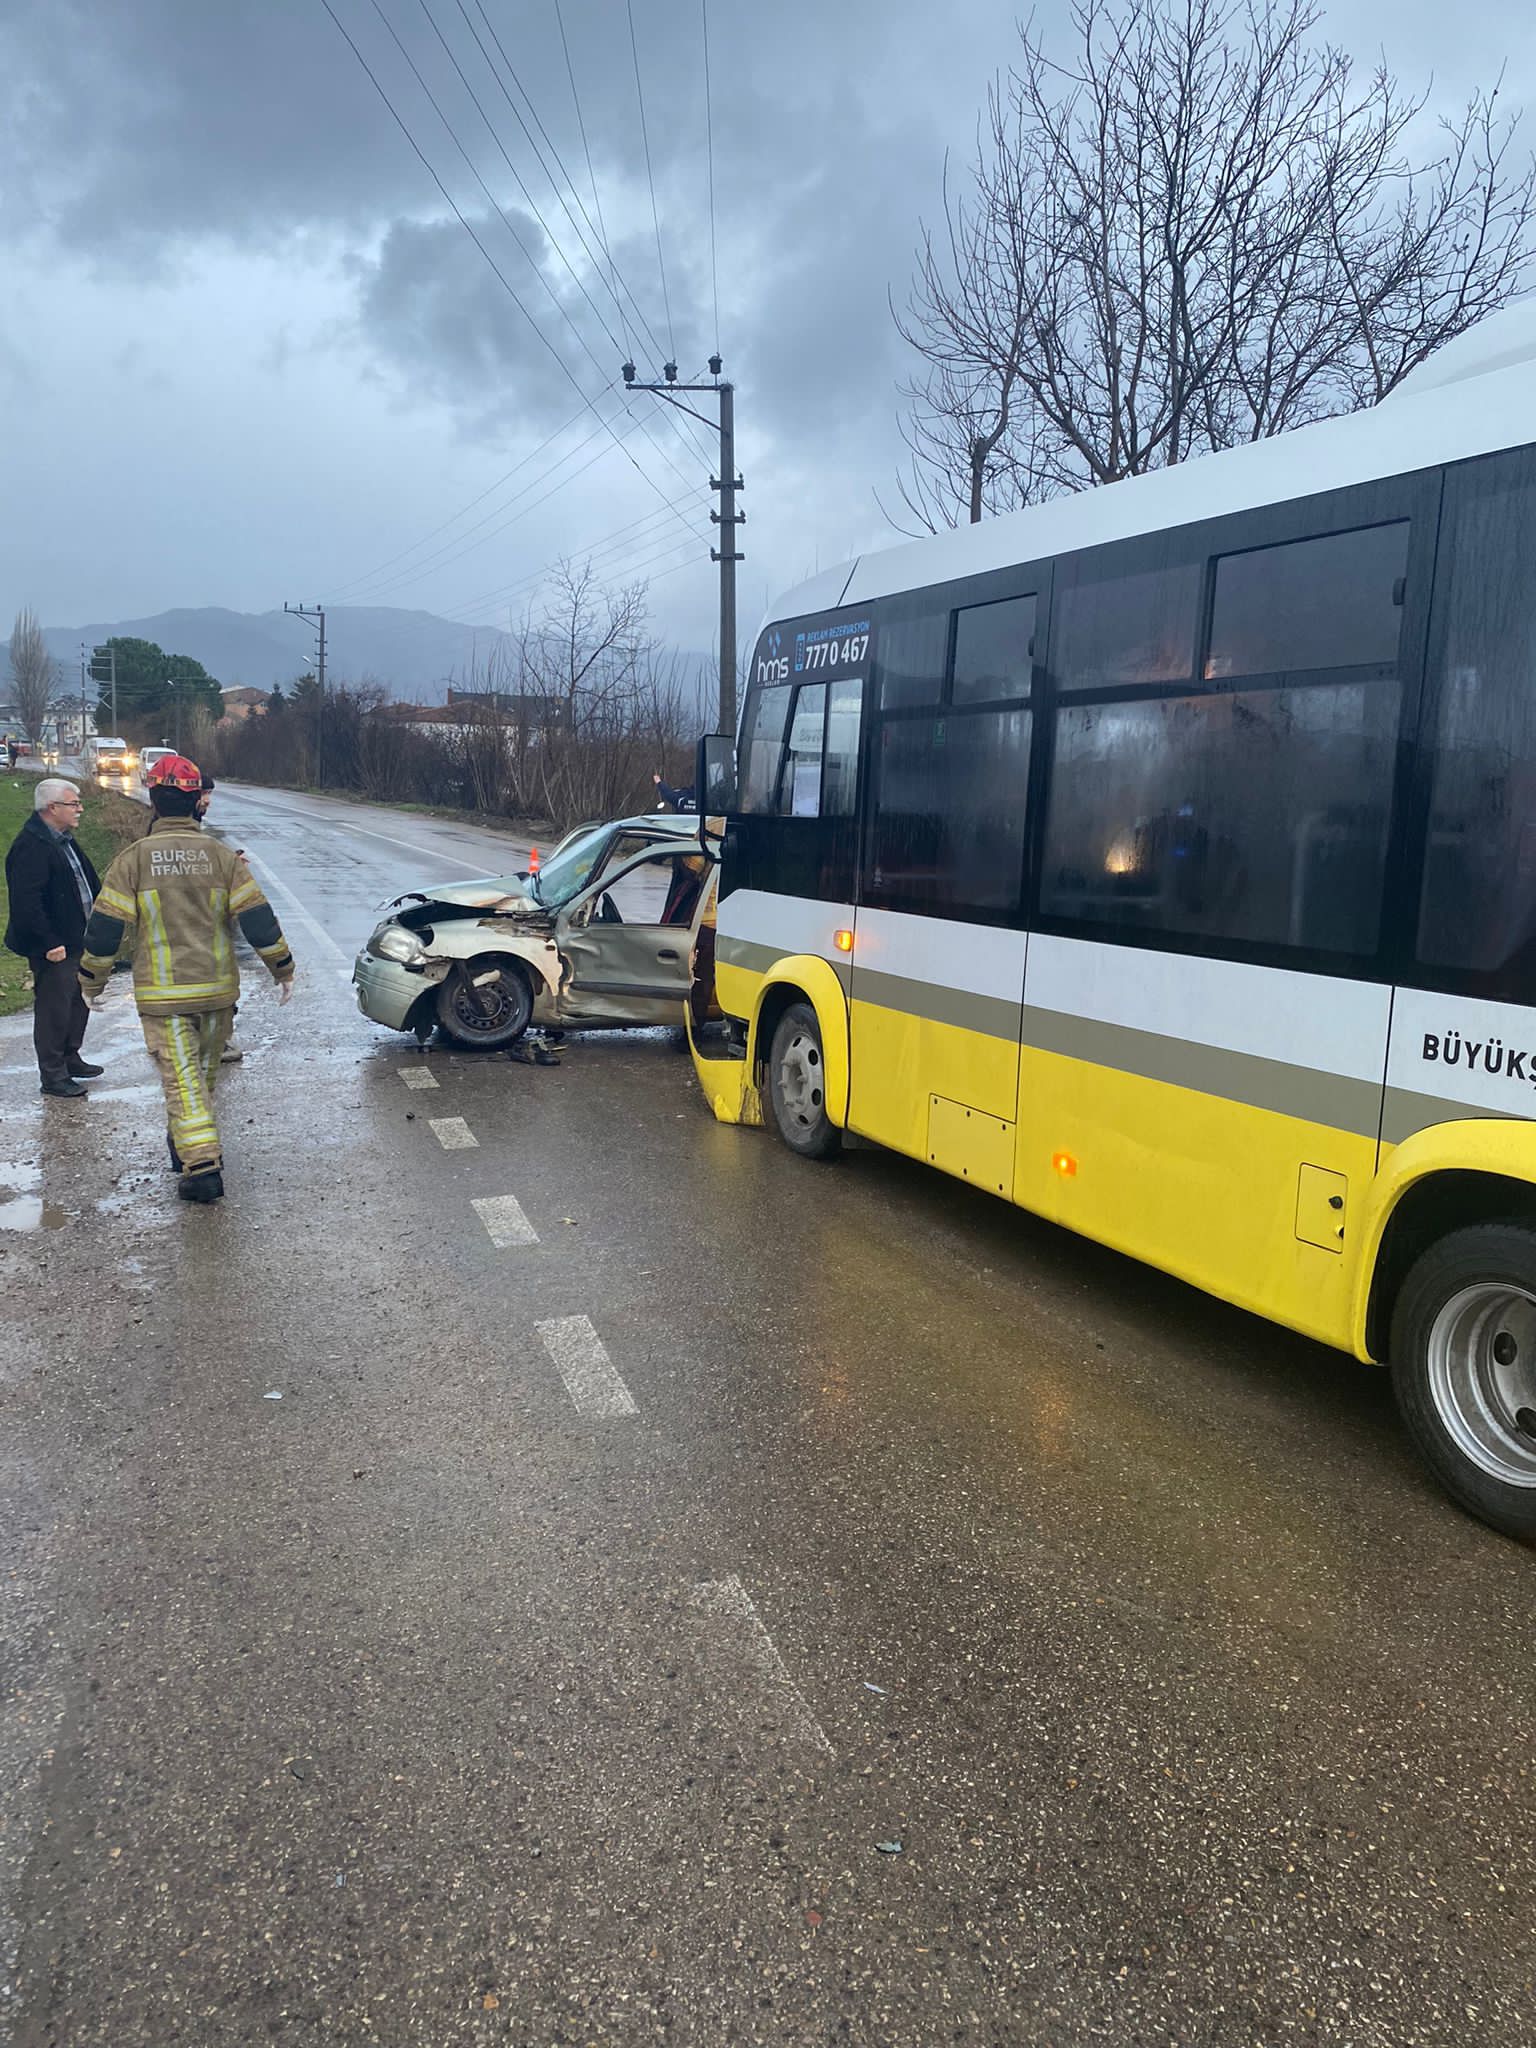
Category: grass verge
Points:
column 108, row 822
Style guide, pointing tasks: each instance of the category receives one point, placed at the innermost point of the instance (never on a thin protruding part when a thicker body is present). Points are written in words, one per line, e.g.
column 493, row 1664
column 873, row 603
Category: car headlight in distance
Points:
column 394, row 942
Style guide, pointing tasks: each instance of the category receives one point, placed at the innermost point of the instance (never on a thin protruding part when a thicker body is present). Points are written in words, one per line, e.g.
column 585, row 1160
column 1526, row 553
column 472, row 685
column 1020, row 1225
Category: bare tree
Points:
column 34, row 675
column 1202, row 231
column 602, row 703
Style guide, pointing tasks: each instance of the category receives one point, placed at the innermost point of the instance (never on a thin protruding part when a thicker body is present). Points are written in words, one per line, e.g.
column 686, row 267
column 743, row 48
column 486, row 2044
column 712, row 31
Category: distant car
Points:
column 602, row 935
column 148, row 756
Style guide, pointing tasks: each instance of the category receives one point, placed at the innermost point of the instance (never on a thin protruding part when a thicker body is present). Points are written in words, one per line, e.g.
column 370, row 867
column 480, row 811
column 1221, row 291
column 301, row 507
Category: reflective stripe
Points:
column 159, row 944
column 223, row 957
column 245, row 896
column 117, row 903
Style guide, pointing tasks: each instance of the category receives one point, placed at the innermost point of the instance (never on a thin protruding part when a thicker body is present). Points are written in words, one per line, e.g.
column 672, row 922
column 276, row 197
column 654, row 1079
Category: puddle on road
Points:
column 31, row 1212
column 20, row 1176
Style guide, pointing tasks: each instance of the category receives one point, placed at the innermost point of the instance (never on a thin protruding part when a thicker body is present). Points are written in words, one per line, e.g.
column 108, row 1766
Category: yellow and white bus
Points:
column 1163, row 860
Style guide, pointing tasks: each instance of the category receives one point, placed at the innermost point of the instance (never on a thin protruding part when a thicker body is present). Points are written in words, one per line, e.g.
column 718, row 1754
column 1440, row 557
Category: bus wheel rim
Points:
column 1482, row 1373
column 800, row 1085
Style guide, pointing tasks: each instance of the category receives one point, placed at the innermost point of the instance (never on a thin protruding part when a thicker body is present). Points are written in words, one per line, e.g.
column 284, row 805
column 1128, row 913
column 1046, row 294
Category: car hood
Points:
column 506, row 895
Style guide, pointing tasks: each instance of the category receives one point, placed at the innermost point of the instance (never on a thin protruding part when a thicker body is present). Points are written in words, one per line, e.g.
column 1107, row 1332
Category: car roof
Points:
column 684, row 824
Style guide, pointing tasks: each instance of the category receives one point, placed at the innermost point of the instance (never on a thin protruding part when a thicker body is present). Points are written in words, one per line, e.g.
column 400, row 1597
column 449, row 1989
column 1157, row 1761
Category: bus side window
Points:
column 1256, row 816
column 762, row 742
column 800, row 786
column 840, row 776
column 1477, row 912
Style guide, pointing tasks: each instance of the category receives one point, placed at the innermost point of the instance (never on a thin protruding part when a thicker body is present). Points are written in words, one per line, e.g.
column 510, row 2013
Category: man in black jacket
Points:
column 52, row 886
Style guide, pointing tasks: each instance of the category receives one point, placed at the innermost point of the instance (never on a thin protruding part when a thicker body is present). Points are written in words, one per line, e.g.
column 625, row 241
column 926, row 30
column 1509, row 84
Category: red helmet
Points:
column 175, row 771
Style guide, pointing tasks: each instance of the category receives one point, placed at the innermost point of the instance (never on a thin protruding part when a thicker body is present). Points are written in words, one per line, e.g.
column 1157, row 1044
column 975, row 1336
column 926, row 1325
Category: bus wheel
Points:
column 797, row 1085
column 1464, row 1369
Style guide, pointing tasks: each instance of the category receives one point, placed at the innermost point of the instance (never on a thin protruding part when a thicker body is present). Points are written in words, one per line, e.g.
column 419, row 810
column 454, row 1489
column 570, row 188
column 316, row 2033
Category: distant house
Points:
column 243, row 703
column 530, row 713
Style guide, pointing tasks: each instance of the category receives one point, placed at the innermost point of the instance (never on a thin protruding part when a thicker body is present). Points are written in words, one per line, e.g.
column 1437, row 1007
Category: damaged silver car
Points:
column 602, row 934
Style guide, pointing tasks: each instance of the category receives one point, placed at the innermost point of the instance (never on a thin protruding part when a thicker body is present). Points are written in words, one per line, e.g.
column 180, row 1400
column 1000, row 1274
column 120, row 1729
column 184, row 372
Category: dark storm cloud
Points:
column 431, row 304
column 126, row 125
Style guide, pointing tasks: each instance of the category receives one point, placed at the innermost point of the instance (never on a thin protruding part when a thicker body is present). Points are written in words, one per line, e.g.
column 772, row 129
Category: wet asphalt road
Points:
column 749, row 1603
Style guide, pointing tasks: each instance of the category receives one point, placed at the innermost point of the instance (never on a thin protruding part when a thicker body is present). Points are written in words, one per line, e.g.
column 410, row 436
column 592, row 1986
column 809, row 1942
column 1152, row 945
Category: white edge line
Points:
column 275, row 881
column 730, row 1597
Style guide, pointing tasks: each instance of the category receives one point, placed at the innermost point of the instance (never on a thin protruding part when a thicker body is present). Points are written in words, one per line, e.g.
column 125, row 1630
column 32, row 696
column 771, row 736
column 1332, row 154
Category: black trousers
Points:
column 59, row 1014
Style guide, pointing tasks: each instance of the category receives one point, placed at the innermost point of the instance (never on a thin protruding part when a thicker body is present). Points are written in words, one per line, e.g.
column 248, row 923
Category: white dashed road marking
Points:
column 452, row 1133
column 417, row 1077
column 584, row 1365
column 504, row 1221
column 275, row 885
column 729, row 1598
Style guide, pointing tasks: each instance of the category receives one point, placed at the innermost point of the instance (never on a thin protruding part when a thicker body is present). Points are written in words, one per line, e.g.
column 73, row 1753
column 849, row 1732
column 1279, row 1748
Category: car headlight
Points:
column 394, row 942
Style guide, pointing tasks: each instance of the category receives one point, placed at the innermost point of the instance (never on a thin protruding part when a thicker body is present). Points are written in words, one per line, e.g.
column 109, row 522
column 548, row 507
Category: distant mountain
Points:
column 415, row 655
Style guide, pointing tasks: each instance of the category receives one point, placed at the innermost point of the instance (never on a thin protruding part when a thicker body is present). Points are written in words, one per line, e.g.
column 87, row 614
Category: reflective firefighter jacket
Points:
column 170, row 898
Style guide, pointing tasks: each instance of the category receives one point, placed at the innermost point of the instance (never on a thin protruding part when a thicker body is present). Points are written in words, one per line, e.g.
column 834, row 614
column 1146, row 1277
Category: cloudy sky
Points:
column 248, row 354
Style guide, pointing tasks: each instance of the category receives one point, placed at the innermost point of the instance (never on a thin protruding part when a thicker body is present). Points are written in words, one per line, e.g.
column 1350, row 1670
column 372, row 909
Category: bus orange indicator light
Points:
column 843, row 941
column 1065, row 1164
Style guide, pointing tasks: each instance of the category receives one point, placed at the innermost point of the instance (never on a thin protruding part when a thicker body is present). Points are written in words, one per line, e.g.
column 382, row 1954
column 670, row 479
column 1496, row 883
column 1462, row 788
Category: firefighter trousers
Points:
column 186, row 1049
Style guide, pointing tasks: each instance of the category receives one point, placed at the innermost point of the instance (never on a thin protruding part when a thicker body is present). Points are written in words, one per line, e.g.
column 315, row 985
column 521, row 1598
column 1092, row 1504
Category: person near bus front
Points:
column 170, row 899
column 52, row 885
column 679, row 799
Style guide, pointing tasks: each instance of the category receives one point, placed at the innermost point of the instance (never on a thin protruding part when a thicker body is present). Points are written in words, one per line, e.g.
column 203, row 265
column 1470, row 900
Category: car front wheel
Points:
column 485, row 1004
column 1464, row 1369
column 797, row 1085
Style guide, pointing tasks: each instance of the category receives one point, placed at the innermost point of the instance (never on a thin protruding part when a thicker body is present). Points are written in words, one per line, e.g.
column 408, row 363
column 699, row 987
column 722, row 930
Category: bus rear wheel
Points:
column 797, row 1085
column 1464, row 1369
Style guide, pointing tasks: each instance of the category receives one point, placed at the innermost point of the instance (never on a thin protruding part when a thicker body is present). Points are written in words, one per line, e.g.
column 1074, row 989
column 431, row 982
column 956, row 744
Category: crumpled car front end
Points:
column 424, row 938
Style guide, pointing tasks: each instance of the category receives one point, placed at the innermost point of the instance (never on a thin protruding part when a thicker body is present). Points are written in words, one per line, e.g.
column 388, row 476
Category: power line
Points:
column 533, row 206
column 623, row 538
column 504, row 590
column 521, row 186
column 474, row 172
column 709, row 131
column 533, row 454
column 506, row 285
column 650, row 177
column 456, row 550
column 599, row 233
column 602, row 229
column 449, row 556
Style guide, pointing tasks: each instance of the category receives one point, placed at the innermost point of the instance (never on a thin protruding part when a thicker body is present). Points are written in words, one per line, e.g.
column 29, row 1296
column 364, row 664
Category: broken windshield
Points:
column 571, row 869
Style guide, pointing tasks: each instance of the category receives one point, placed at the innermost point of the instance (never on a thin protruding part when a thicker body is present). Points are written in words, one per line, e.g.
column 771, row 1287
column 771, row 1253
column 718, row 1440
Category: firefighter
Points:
column 170, row 898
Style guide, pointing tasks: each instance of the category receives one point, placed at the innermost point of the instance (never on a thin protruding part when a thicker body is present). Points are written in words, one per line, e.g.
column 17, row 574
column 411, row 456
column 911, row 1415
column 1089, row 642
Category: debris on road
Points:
column 892, row 1848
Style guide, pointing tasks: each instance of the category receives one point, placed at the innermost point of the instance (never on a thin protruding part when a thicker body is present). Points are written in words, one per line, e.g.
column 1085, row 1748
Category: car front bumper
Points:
column 388, row 992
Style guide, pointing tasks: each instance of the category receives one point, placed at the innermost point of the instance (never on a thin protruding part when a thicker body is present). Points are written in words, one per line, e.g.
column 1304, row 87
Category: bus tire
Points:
column 1463, row 1353
column 797, row 1079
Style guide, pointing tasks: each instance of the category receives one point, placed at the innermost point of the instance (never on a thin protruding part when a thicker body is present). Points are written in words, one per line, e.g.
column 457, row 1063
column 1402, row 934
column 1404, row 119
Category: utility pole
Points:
column 315, row 614
column 103, row 669
column 727, row 483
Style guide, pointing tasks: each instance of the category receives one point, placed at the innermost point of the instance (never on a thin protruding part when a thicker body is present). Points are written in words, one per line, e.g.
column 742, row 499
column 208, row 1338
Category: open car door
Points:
column 625, row 941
